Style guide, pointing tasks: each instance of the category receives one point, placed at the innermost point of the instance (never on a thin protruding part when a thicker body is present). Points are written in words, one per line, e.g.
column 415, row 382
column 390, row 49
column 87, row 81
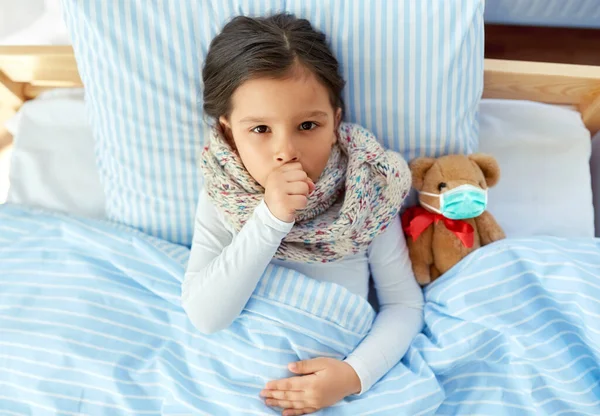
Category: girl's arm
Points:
column 400, row 317
column 223, row 270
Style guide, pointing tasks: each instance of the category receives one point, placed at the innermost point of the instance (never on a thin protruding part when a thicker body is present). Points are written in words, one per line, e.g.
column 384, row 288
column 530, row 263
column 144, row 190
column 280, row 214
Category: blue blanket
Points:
column 91, row 323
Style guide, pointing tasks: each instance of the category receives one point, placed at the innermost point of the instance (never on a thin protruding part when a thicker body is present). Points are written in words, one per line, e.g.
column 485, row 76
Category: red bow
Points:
column 416, row 219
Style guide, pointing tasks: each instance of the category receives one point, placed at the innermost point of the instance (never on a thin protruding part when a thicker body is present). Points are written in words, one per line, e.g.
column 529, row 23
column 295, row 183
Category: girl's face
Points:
column 276, row 121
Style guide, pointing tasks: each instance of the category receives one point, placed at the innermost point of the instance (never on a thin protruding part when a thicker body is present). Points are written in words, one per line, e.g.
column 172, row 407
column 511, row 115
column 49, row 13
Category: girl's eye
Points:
column 260, row 129
column 308, row 125
column 442, row 185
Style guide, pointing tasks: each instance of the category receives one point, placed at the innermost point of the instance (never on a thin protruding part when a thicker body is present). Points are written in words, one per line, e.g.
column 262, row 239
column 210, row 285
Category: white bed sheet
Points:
column 53, row 163
column 544, row 154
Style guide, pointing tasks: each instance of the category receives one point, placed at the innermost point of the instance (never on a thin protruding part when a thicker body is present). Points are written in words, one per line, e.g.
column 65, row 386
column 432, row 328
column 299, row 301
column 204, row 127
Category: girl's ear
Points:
column 337, row 121
column 338, row 118
column 224, row 123
column 225, row 128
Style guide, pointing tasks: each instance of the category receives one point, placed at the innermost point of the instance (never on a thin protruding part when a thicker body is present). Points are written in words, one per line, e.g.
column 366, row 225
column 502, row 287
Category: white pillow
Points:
column 53, row 164
column 543, row 152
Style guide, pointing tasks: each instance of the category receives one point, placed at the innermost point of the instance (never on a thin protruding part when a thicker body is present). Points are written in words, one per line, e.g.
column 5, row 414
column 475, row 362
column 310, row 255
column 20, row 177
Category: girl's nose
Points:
column 285, row 159
column 286, row 152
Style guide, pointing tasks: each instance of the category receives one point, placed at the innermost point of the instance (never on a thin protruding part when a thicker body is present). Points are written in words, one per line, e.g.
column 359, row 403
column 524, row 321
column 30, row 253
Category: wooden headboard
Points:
column 26, row 71
column 551, row 83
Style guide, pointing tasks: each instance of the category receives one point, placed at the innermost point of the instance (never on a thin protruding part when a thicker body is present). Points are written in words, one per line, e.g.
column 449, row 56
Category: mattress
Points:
column 560, row 13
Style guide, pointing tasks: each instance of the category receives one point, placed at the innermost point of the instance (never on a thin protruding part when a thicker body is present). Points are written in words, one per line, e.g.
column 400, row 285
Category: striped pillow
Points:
column 413, row 71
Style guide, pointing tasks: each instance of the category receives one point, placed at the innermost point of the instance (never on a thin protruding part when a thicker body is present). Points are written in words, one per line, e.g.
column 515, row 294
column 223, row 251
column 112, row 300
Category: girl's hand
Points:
column 286, row 190
column 324, row 382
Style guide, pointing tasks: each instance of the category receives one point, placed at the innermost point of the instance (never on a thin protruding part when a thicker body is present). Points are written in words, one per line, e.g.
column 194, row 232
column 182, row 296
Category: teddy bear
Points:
column 450, row 220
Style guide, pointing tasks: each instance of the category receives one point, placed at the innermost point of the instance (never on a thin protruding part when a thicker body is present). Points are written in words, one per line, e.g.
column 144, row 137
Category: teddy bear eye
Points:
column 442, row 185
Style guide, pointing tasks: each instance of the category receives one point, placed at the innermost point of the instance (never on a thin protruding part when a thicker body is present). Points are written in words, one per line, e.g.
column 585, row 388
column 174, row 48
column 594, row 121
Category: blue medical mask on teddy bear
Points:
column 462, row 202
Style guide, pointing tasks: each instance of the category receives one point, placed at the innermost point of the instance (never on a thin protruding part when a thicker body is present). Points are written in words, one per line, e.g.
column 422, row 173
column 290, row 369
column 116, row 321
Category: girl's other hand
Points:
column 323, row 382
column 286, row 190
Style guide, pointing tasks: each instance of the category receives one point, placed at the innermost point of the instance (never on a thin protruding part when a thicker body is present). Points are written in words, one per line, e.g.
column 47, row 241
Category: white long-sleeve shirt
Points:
column 224, row 268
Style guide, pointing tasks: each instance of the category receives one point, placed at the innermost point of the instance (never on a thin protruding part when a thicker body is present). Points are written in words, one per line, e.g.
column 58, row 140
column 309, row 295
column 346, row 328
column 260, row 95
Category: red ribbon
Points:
column 416, row 219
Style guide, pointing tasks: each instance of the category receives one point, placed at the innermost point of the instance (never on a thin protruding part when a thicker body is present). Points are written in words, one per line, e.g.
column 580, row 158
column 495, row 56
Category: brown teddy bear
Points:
column 451, row 220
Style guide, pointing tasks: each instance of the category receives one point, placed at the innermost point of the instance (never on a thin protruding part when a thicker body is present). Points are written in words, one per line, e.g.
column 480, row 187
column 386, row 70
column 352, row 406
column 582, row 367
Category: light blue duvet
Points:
column 91, row 323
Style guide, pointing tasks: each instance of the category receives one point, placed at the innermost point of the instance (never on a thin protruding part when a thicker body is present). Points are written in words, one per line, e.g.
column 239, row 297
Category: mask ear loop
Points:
column 429, row 206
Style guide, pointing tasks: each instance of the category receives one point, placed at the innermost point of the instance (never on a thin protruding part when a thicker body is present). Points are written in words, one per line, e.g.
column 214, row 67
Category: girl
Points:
column 287, row 182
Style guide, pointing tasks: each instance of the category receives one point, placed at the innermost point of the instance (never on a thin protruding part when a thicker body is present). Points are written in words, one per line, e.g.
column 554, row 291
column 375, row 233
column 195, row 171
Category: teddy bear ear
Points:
column 418, row 169
column 489, row 166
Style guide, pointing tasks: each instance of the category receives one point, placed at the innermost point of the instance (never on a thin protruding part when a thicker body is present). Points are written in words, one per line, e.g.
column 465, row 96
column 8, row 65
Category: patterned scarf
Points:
column 356, row 197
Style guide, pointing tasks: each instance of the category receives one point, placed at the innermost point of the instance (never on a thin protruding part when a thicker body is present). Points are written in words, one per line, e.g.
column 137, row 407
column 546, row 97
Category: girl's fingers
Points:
column 292, row 383
column 291, row 166
column 311, row 186
column 295, row 175
column 297, row 188
column 286, row 404
column 305, row 411
column 283, row 395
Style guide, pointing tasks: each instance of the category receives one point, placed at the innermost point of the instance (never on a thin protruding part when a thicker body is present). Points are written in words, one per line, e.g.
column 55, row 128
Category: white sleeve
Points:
column 400, row 317
column 223, row 270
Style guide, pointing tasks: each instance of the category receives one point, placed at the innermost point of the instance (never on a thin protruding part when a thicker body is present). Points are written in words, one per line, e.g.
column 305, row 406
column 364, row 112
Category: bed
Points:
column 91, row 322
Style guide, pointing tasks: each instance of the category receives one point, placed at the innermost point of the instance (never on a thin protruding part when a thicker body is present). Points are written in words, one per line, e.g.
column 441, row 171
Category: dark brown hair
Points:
column 249, row 48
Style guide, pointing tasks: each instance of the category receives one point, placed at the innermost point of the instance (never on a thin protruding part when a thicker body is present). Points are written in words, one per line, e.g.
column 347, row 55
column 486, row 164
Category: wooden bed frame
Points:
column 26, row 71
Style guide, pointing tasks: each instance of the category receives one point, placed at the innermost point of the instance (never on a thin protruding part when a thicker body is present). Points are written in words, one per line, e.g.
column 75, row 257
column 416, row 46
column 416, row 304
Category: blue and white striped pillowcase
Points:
column 414, row 73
